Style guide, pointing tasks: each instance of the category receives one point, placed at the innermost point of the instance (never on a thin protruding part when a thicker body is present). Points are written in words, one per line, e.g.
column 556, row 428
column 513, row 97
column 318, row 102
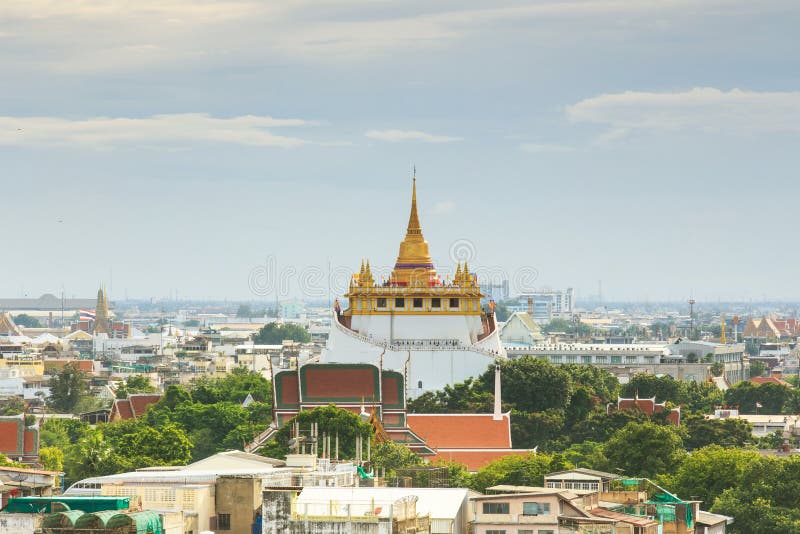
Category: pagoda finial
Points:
column 414, row 227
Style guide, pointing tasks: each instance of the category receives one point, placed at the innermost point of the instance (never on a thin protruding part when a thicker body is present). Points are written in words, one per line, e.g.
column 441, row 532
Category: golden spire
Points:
column 722, row 331
column 414, row 227
column 414, row 265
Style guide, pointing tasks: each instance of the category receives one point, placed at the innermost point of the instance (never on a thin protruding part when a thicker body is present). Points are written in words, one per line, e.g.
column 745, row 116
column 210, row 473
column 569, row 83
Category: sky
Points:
column 242, row 149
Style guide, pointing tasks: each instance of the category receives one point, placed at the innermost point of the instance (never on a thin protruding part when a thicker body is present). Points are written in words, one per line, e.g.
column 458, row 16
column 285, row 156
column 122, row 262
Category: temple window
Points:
column 453, row 303
column 418, row 303
column 399, row 303
column 382, row 302
column 436, row 302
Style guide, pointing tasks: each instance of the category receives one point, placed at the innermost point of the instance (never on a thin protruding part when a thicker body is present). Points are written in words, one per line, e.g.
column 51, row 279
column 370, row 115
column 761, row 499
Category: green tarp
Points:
column 39, row 505
column 95, row 520
column 146, row 522
column 62, row 519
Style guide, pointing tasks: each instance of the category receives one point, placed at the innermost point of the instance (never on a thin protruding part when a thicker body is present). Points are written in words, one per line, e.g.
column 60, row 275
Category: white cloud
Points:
column 395, row 136
column 103, row 132
column 444, row 207
column 536, row 148
column 703, row 109
column 83, row 35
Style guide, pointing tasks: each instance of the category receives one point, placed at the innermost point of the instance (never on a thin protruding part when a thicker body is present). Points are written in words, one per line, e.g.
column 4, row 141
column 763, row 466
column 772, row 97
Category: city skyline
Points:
column 176, row 147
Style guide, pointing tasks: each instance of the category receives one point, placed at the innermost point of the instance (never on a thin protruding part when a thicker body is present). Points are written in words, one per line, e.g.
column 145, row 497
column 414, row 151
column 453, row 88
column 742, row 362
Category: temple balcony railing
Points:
column 411, row 344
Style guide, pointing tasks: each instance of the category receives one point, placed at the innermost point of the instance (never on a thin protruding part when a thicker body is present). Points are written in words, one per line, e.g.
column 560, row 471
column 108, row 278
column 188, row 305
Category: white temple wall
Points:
column 434, row 369
column 464, row 328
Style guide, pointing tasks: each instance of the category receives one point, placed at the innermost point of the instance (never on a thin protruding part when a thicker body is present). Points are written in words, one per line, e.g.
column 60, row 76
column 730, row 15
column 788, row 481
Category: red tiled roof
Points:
column 121, row 410
column 475, row 459
column 462, row 431
column 770, row 380
column 140, row 402
column 87, row 366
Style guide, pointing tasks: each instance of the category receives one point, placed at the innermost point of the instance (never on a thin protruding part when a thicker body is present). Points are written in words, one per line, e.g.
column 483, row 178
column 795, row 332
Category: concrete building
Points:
column 690, row 360
column 548, row 304
column 763, row 424
column 365, row 510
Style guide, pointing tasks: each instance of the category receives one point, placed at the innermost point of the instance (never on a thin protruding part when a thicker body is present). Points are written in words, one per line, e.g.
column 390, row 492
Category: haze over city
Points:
column 169, row 149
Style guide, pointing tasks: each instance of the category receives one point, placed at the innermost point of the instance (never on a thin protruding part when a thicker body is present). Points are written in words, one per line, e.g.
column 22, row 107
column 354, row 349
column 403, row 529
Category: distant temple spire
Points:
column 101, row 317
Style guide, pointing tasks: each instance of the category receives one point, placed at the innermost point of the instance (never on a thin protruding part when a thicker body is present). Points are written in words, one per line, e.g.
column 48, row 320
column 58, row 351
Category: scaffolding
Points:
column 421, row 477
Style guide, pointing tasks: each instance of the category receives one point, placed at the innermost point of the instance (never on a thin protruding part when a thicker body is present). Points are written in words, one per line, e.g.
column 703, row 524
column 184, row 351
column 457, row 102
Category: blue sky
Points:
column 177, row 147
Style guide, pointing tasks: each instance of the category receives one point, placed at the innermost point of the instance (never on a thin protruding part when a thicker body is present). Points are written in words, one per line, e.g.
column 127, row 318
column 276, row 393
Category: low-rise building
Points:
column 366, row 510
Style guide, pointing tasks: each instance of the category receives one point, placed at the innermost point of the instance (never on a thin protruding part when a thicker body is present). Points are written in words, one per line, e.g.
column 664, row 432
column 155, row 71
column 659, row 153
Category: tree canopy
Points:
column 28, row 321
column 67, row 388
column 275, row 333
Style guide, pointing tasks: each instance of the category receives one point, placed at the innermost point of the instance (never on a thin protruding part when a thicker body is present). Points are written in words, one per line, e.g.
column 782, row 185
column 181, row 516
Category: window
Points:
column 495, row 532
column 600, row 359
column 545, row 532
column 571, row 358
column 454, row 303
column 224, row 522
column 535, row 508
column 399, row 303
column 417, row 303
column 436, row 302
column 555, row 359
column 525, row 531
column 586, row 359
column 495, row 508
column 616, row 359
column 419, row 384
column 382, row 302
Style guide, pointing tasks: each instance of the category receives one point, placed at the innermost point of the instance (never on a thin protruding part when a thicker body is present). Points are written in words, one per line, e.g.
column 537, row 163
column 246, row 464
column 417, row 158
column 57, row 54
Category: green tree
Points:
column 244, row 311
column 502, row 312
column 663, row 388
column 518, row 470
column 67, row 388
column 6, row 462
column 330, row 420
column 599, row 382
column 707, row 472
column 52, row 458
column 645, row 449
column 469, row 396
column 135, row 384
column 766, row 499
column 275, row 334
column 757, row 368
column 12, row 406
column 599, row 426
column 588, row 454
column 772, row 397
column 726, row 432
column 558, row 325
column 390, row 456
column 544, row 429
column 531, row 384
column 27, row 321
